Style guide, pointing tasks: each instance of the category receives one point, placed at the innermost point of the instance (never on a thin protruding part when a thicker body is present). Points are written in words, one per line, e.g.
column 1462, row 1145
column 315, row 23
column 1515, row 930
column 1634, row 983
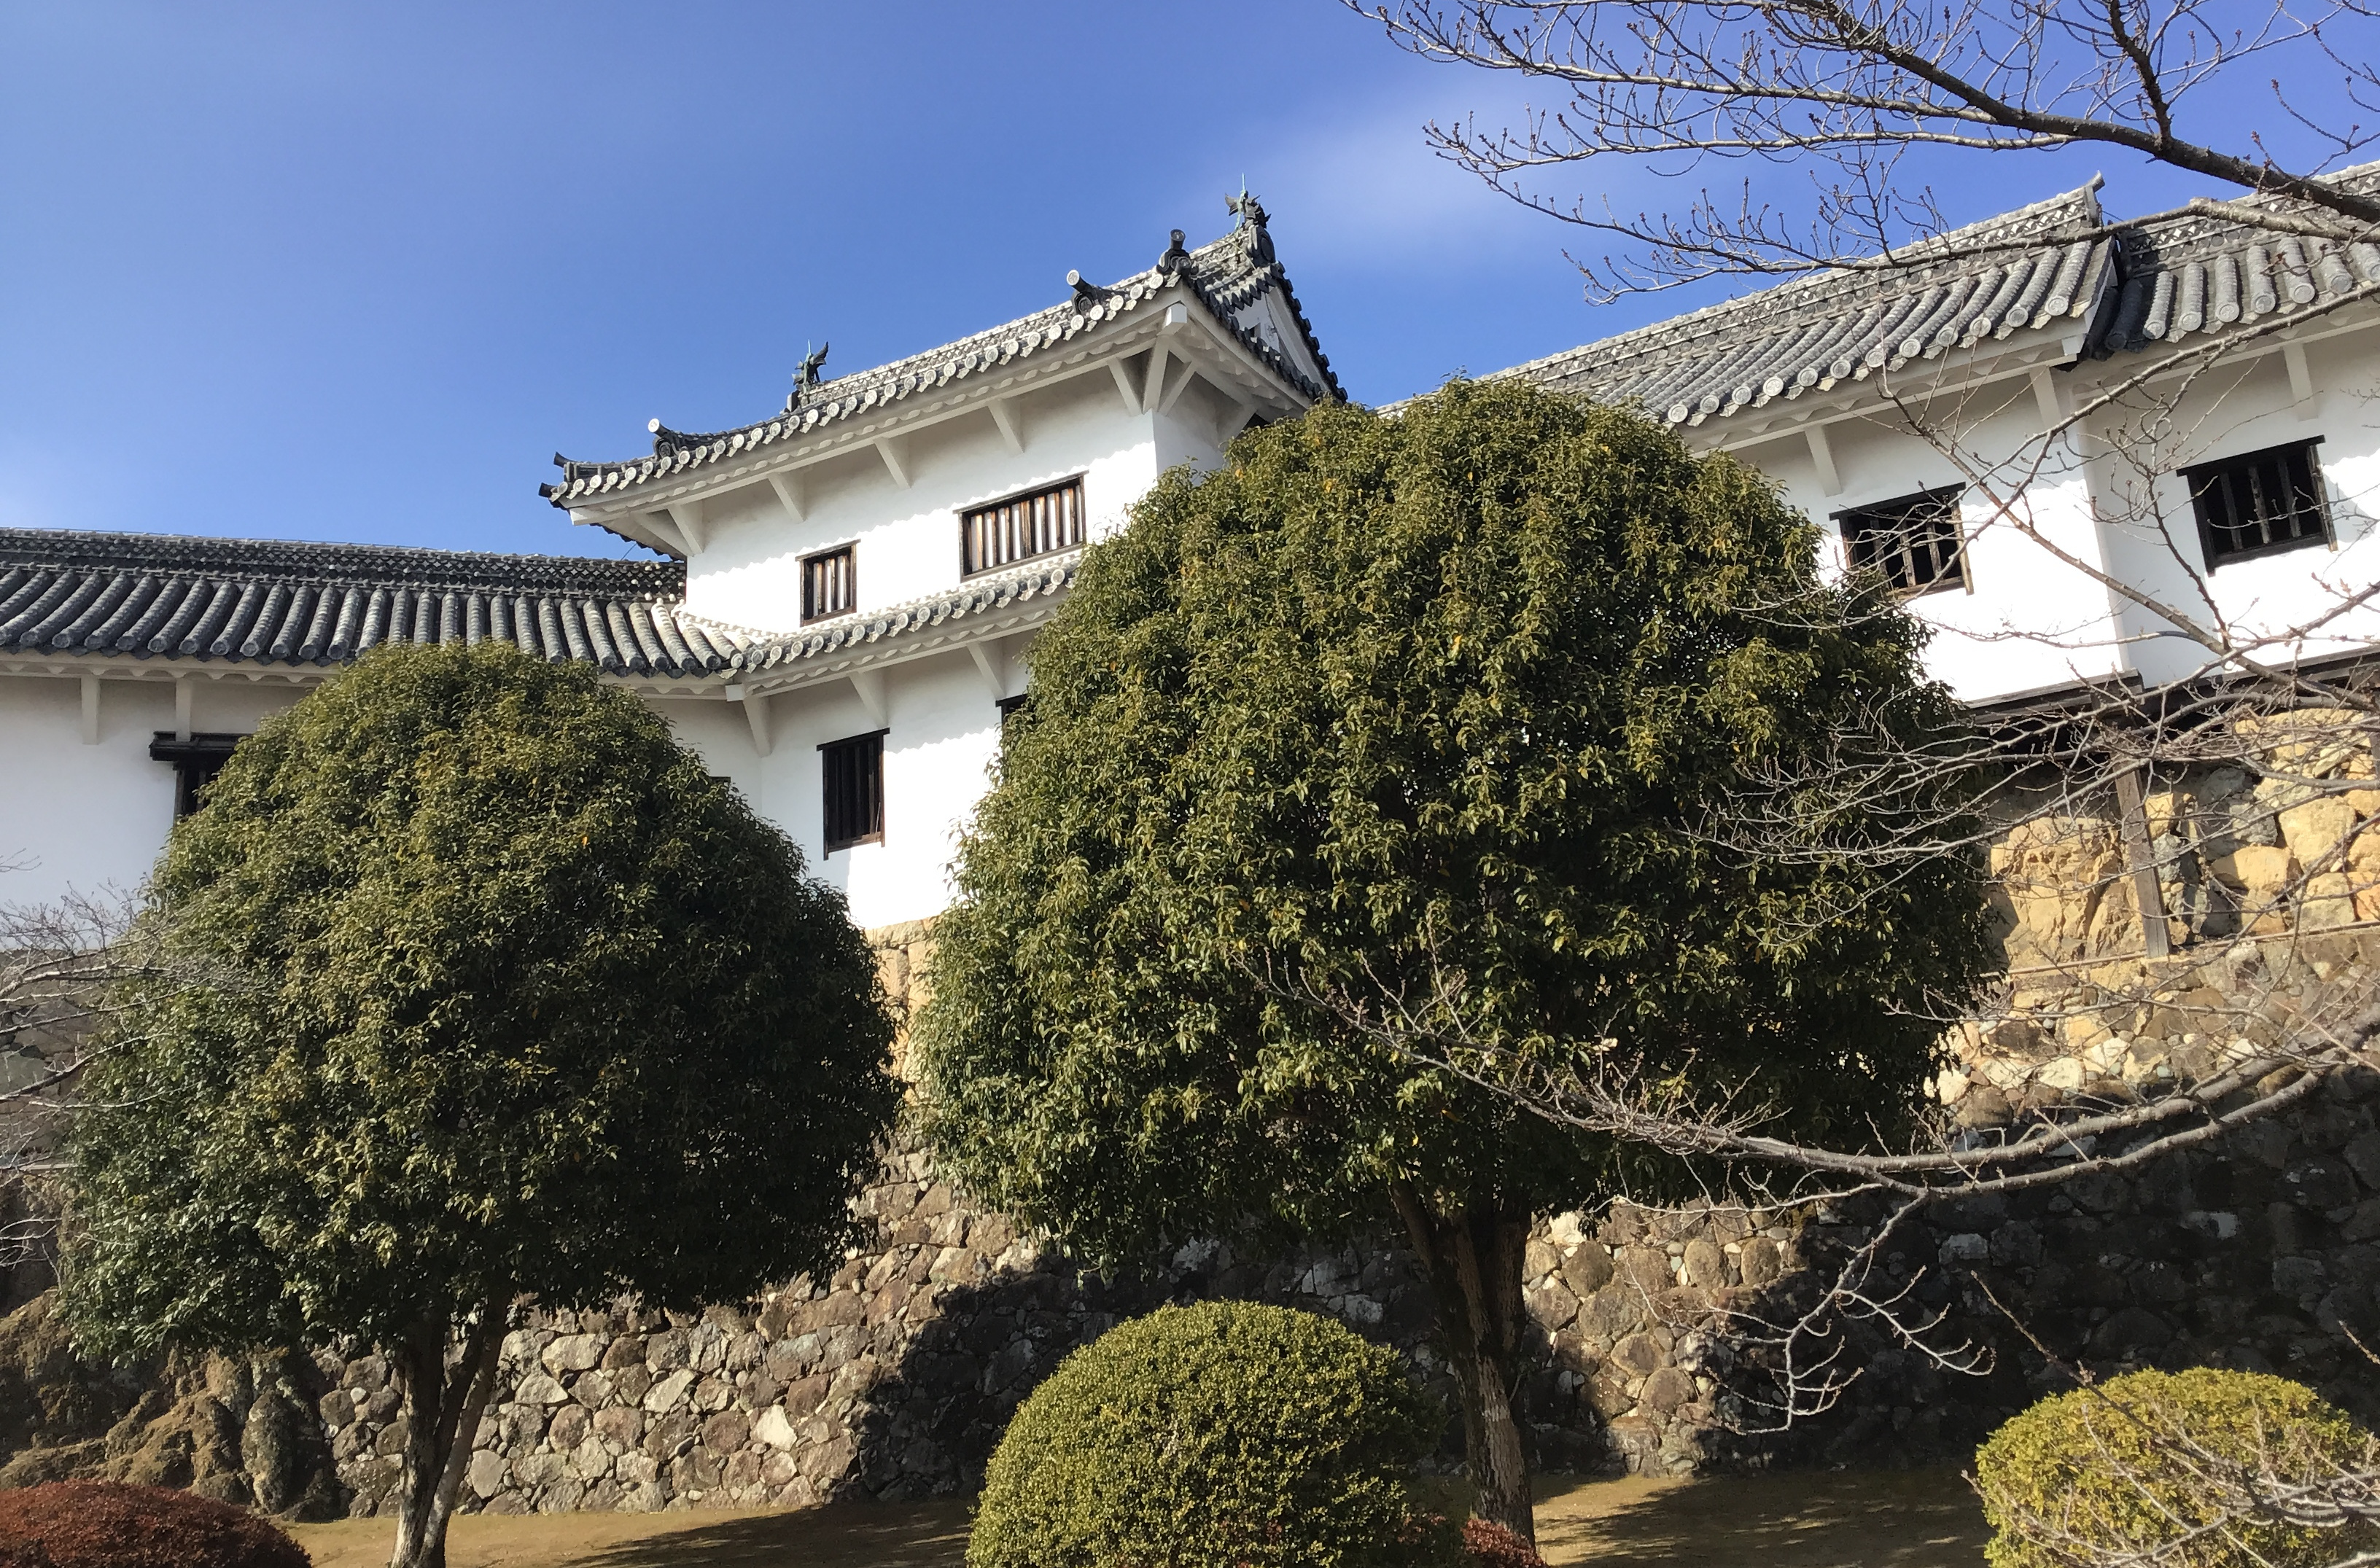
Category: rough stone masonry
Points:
column 893, row 1379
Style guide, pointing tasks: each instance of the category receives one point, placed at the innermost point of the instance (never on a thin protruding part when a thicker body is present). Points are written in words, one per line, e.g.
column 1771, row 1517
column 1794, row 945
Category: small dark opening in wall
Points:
column 1913, row 541
column 852, row 773
column 196, row 762
column 2259, row 503
column 829, row 583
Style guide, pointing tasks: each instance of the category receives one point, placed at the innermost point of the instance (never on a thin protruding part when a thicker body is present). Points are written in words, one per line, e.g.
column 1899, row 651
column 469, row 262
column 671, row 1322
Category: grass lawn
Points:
column 1915, row 1519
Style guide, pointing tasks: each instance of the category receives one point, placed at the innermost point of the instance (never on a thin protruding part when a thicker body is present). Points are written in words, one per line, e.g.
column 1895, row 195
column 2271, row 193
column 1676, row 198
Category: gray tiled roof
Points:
column 2204, row 274
column 981, row 595
column 1227, row 275
column 2038, row 269
column 261, row 602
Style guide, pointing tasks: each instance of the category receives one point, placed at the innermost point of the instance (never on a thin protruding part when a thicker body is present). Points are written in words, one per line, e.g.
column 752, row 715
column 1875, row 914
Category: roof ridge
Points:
column 1040, row 576
column 1778, row 299
column 1225, row 274
column 328, row 559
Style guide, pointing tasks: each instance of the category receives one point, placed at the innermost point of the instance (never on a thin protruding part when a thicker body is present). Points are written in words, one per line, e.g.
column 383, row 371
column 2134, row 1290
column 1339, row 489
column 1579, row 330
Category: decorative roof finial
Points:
column 806, row 376
column 1087, row 293
column 1252, row 217
column 1175, row 258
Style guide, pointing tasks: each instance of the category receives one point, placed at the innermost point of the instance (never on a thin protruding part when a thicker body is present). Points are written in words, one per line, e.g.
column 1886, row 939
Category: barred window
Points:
column 1021, row 527
column 853, row 771
column 1914, row 540
column 827, row 584
column 2259, row 504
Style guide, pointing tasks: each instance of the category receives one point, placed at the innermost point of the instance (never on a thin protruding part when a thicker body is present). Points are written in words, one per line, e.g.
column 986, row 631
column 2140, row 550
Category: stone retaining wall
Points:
column 893, row 1377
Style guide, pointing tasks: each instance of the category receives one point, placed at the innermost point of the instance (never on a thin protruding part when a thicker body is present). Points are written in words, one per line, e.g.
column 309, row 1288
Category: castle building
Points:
column 839, row 593
column 833, row 615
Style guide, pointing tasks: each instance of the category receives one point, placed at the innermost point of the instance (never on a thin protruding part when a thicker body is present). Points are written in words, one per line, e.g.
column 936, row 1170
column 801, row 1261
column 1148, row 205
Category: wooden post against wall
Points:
column 2141, row 850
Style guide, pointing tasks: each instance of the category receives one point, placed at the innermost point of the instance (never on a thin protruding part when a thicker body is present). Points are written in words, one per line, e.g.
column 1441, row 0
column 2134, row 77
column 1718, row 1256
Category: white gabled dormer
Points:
column 1106, row 388
column 884, row 548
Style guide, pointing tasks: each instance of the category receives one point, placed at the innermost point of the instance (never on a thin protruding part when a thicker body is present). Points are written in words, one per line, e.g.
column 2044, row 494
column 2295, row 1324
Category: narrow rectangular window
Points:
column 852, row 772
column 828, row 584
column 1021, row 527
column 2261, row 504
column 196, row 762
column 1913, row 541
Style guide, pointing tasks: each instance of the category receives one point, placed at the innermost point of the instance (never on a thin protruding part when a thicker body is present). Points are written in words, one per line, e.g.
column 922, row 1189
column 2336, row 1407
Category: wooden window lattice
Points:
column 1020, row 529
column 2259, row 503
column 829, row 584
column 853, row 774
column 1915, row 541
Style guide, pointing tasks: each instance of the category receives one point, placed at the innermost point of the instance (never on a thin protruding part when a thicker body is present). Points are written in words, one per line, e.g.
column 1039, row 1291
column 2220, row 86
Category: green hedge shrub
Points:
column 2108, row 1469
column 1223, row 1435
column 110, row 1525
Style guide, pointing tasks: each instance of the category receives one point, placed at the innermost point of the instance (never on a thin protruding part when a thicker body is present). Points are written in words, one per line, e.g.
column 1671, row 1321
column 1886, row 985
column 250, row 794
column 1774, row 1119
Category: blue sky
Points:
column 353, row 272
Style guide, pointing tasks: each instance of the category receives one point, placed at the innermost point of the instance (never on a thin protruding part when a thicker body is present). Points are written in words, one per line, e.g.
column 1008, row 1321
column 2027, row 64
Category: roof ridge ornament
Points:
column 806, row 375
column 1175, row 257
column 1088, row 295
column 1253, row 218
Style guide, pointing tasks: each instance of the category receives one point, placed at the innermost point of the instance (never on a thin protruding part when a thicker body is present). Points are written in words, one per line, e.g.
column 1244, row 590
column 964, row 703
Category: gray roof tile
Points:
column 981, row 595
column 2206, row 274
column 1227, row 275
column 264, row 602
column 2036, row 270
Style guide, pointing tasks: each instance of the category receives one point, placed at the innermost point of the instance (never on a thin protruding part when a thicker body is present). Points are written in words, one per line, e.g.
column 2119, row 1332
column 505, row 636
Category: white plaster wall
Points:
column 2242, row 410
column 78, row 818
column 749, row 572
column 943, row 736
column 2025, row 620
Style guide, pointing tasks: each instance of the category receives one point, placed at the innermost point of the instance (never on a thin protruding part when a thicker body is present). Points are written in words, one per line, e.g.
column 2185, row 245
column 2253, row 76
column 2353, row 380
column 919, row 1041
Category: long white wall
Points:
column 90, row 818
column 2114, row 502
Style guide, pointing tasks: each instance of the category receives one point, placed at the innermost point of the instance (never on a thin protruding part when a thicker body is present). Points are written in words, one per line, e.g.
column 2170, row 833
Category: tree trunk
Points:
column 442, row 1407
column 1473, row 1259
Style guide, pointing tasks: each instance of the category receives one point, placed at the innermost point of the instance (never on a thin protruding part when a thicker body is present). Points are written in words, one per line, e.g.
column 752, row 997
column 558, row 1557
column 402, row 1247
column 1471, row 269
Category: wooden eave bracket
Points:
column 756, row 713
column 1011, row 420
column 1822, row 455
column 792, row 493
column 868, row 686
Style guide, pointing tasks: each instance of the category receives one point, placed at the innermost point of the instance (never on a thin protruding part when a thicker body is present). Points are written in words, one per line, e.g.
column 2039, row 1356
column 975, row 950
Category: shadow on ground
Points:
column 921, row 1535
column 1908, row 1519
column 1862, row 1519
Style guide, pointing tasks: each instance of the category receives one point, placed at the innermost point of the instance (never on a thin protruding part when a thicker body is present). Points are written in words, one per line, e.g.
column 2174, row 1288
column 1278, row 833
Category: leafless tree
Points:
column 60, row 964
column 2186, row 858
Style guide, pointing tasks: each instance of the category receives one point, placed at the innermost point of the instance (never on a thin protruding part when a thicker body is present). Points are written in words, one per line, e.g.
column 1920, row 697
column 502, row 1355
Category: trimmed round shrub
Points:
column 2124, row 1467
column 1222, row 1435
column 109, row 1525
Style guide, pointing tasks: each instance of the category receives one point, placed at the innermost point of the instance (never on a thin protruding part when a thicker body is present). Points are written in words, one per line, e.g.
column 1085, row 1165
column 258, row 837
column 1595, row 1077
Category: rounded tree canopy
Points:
column 1428, row 715
column 481, row 985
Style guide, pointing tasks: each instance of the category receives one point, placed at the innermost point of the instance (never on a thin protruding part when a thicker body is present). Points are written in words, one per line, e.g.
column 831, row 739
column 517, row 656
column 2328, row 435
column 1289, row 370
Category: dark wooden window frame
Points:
column 852, row 805
column 980, row 547
column 2310, row 506
column 816, row 559
column 1908, row 556
column 196, row 758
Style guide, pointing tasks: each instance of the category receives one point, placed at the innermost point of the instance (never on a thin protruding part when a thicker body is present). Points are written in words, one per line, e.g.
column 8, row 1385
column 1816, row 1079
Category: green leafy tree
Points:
column 499, row 996
column 1432, row 707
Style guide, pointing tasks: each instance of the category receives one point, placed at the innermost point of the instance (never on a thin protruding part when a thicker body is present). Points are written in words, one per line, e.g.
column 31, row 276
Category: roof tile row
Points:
column 263, row 602
column 2036, row 270
column 1226, row 276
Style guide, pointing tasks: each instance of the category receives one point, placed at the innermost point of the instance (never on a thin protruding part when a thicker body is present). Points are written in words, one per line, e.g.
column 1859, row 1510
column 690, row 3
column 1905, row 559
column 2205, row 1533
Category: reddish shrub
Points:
column 1493, row 1546
column 108, row 1525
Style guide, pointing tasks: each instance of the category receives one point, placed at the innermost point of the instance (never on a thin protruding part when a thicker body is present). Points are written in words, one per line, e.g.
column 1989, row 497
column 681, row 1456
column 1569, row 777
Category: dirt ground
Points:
column 1917, row 1519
